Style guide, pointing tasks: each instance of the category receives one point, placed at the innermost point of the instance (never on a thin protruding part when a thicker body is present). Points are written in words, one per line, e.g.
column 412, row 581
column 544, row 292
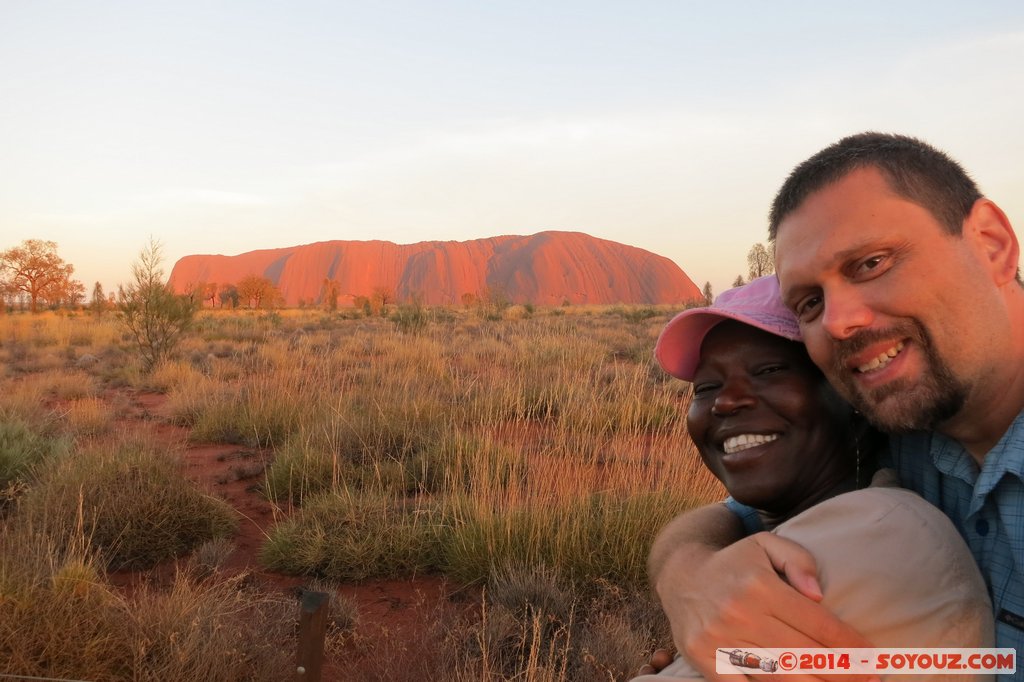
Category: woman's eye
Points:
column 703, row 388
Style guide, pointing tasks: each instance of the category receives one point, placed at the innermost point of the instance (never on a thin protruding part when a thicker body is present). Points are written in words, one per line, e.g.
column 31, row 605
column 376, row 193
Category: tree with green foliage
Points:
column 257, row 292
column 155, row 317
column 363, row 303
column 34, row 269
column 380, row 298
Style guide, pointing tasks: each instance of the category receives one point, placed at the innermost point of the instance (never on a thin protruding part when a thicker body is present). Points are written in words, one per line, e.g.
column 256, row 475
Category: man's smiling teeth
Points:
column 882, row 360
column 746, row 441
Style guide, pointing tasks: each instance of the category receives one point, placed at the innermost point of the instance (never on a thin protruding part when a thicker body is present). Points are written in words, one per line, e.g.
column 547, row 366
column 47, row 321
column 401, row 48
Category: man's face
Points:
column 888, row 302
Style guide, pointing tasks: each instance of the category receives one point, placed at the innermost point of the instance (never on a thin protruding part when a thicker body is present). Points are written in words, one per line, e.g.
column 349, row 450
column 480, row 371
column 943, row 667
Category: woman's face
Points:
column 765, row 421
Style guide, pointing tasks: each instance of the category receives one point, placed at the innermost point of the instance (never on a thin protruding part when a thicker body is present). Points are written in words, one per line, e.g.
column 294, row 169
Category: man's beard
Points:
column 904, row 404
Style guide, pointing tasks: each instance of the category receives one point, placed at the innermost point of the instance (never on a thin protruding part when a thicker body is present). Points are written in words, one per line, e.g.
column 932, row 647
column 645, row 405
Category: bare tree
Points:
column 329, row 293
column 709, row 295
column 34, row 269
column 759, row 261
column 210, row 294
column 738, row 282
column 228, row 296
column 99, row 300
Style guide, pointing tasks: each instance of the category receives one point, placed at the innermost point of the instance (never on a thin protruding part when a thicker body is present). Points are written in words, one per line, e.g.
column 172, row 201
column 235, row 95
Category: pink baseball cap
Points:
column 757, row 303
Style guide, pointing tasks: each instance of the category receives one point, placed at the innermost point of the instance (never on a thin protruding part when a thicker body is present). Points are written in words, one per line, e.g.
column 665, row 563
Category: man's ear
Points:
column 989, row 230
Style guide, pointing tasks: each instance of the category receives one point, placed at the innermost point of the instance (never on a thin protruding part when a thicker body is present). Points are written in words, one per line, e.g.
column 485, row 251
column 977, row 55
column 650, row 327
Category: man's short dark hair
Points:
column 913, row 169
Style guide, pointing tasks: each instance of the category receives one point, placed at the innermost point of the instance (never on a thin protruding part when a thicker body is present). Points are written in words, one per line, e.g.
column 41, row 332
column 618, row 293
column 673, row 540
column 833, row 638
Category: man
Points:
column 903, row 278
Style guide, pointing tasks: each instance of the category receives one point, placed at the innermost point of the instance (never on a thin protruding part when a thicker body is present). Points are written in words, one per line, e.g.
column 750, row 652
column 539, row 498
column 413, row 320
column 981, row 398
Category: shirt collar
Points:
column 1007, row 457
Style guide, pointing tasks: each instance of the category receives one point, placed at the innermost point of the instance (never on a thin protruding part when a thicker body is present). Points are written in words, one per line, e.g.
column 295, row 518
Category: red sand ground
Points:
column 394, row 616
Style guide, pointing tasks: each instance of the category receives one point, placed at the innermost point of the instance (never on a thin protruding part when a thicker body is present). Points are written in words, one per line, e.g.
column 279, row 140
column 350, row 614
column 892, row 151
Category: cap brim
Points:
column 678, row 347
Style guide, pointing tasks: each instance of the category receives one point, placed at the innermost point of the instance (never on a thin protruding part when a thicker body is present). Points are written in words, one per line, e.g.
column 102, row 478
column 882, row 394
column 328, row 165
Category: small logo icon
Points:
column 745, row 659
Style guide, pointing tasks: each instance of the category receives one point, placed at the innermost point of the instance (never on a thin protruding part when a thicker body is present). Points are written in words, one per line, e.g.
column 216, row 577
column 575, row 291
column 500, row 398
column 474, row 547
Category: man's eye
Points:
column 770, row 369
column 808, row 308
column 869, row 264
column 871, row 267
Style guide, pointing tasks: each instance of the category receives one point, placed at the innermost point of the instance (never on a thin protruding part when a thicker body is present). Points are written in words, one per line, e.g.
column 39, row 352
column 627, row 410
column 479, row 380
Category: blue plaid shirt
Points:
column 986, row 506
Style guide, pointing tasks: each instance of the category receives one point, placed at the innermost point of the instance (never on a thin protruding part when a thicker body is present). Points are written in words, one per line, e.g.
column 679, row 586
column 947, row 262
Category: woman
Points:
column 769, row 426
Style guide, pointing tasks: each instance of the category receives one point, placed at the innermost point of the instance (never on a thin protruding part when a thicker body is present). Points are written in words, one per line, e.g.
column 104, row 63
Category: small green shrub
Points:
column 154, row 317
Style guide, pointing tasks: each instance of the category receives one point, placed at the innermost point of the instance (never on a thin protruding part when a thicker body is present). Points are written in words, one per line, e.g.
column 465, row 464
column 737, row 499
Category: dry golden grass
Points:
column 64, row 384
column 434, row 441
column 60, row 618
column 173, row 373
column 88, row 417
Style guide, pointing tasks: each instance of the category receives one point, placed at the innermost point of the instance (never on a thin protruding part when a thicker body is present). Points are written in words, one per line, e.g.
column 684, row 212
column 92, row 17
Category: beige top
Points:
column 893, row 567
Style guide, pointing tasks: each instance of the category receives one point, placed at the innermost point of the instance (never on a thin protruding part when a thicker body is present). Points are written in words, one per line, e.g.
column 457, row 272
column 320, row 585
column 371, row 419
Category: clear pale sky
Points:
column 223, row 127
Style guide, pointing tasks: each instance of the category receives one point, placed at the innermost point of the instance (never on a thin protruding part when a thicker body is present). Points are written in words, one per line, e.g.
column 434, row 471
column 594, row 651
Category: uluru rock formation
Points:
column 547, row 268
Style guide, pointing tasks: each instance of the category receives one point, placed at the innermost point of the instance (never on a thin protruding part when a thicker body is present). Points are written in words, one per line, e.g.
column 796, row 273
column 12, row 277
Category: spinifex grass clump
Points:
column 354, row 536
column 534, row 625
column 130, row 501
column 387, row 454
column 87, row 417
column 301, row 470
column 60, row 618
column 598, row 535
column 216, row 631
column 23, row 448
column 65, row 384
column 530, row 621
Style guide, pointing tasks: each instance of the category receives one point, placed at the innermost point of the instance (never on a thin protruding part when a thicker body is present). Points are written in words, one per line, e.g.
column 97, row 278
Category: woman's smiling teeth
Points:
column 882, row 359
column 746, row 441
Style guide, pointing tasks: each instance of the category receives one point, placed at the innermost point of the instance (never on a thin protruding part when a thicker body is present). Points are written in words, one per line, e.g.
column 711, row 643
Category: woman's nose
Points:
column 735, row 394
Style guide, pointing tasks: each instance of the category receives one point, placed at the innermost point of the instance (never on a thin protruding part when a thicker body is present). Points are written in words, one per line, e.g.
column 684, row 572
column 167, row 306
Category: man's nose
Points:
column 844, row 314
column 735, row 394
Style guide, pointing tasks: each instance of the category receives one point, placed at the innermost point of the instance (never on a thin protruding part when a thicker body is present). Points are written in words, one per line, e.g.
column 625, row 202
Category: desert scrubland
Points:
column 510, row 466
